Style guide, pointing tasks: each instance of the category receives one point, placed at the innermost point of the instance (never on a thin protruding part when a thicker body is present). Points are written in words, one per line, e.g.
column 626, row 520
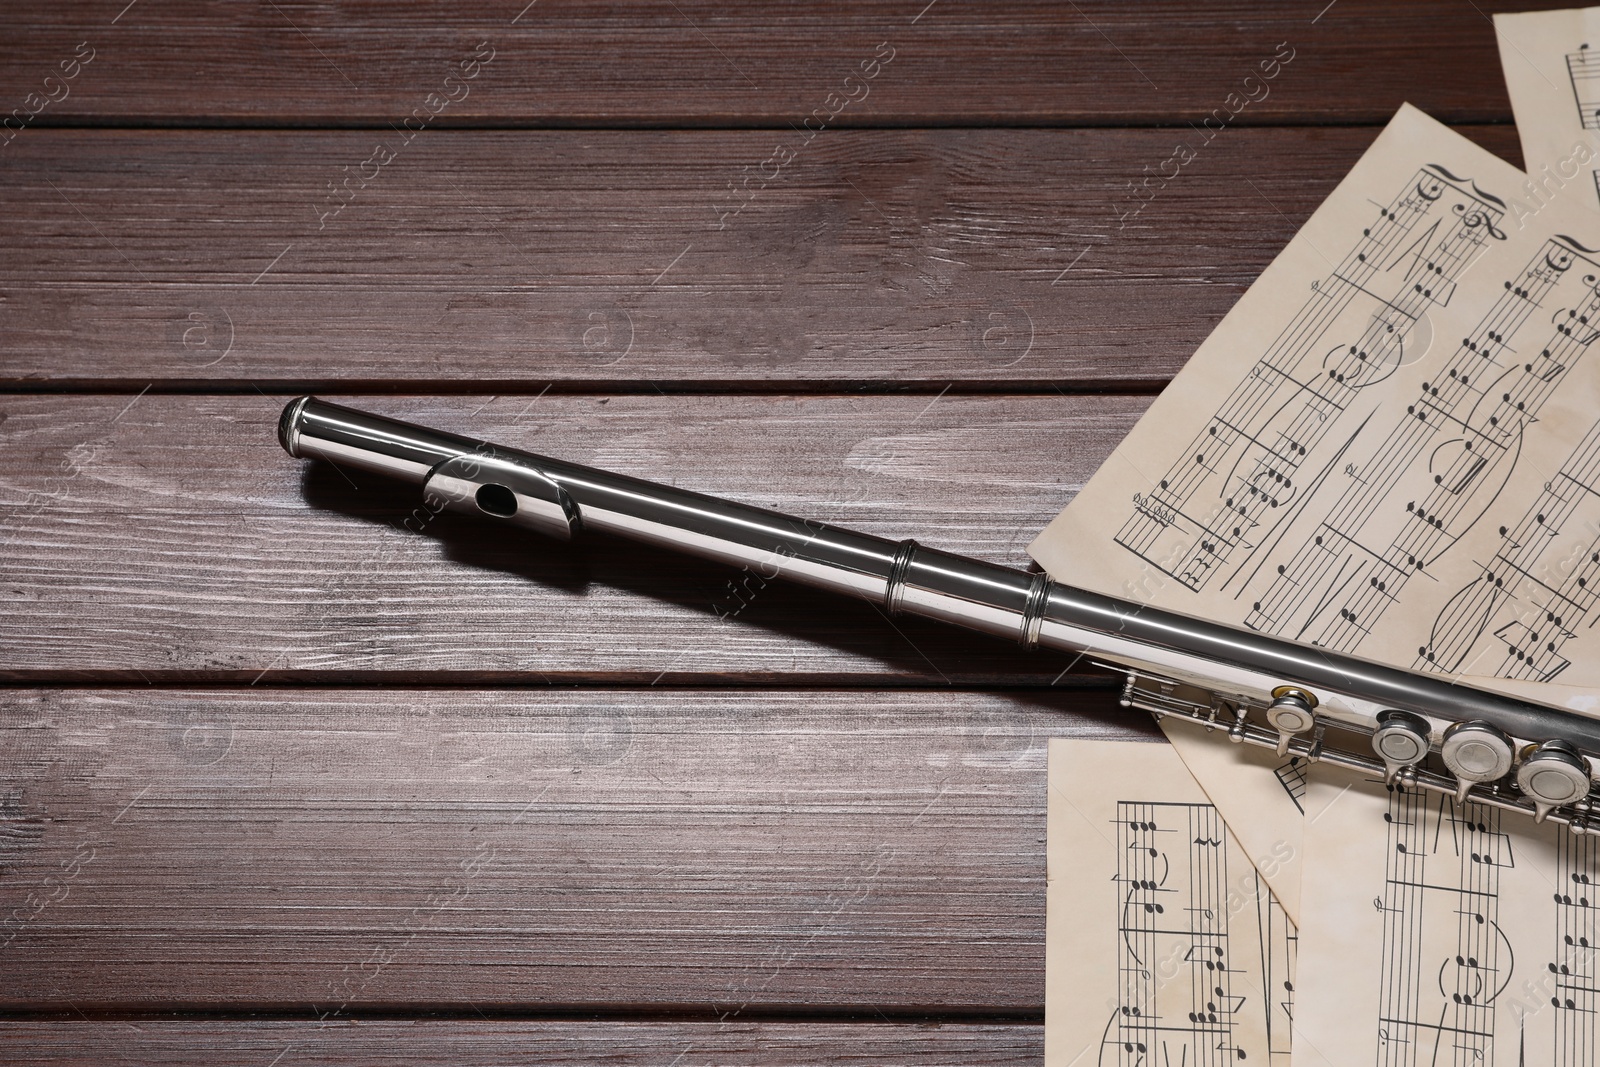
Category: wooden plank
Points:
column 485, row 1043
column 169, row 537
column 680, row 62
column 710, row 851
column 498, row 261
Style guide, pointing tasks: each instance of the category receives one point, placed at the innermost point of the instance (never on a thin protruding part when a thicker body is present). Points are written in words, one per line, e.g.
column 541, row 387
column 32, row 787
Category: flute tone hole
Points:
column 497, row 500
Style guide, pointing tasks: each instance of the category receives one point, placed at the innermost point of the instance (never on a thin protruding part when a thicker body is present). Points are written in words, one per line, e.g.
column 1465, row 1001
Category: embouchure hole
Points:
column 497, row 500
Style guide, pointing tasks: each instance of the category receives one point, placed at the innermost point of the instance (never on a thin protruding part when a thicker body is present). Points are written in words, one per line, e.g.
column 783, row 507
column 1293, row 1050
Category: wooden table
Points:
column 292, row 777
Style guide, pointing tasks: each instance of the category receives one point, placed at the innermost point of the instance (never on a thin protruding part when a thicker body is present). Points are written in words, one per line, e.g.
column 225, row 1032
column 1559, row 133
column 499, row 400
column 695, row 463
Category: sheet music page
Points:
column 1260, row 795
column 1551, row 61
column 1164, row 944
column 1442, row 935
column 1389, row 447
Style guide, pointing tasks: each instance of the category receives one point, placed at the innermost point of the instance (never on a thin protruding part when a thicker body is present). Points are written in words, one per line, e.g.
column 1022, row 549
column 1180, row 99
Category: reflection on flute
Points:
column 1418, row 729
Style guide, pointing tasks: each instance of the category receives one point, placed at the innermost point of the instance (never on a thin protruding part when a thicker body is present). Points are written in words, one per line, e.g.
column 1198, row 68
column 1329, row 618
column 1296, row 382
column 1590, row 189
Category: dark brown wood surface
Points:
column 993, row 259
column 185, row 510
column 336, row 850
column 287, row 776
column 488, row 1042
column 692, row 62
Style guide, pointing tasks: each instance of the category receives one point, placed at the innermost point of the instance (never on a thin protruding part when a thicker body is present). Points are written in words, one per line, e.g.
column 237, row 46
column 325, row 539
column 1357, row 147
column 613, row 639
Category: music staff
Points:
column 1445, row 960
column 1220, row 500
column 1442, row 464
column 1583, row 71
column 1531, row 599
column 1572, row 970
column 1177, row 1002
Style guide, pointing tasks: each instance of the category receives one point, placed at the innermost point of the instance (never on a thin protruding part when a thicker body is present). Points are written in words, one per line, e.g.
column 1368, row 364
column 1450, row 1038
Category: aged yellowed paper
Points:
column 1551, row 61
column 1164, row 944
column 1438, row 934
column 1391, row 445
column 1260, row 795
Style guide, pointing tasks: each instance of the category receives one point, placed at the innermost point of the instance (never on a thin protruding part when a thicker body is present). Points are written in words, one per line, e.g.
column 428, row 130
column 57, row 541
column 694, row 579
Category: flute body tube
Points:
column 1424, row 731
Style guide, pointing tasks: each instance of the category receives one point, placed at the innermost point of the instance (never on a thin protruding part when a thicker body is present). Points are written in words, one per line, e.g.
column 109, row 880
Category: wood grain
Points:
column 484, row 1043
column 684, row 62
column 707, row 851
column 169, row 537
column 631, row 808
column 500, row 261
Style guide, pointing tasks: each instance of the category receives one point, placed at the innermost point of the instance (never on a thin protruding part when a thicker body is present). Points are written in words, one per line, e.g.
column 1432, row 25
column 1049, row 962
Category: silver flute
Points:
column 1420, row 731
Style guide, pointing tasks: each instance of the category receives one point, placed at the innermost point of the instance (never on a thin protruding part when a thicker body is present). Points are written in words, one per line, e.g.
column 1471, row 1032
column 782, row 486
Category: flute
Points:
column 1422, row 731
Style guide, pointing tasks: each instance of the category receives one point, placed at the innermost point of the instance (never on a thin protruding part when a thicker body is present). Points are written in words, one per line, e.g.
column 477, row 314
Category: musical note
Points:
column 1316, row 476
column 1347, row 337
column 1451, row 452
column 1554, row 80
column 1475, row 943
column 1439, row 982
column 1202, row 968
column 1583, row 72
column 1308, row 482
column 1515, row 618
column 1572, row 971
column 1291, row 774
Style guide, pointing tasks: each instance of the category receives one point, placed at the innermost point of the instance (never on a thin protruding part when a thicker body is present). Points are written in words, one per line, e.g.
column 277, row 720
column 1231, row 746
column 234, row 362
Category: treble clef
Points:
column 1476, row 217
